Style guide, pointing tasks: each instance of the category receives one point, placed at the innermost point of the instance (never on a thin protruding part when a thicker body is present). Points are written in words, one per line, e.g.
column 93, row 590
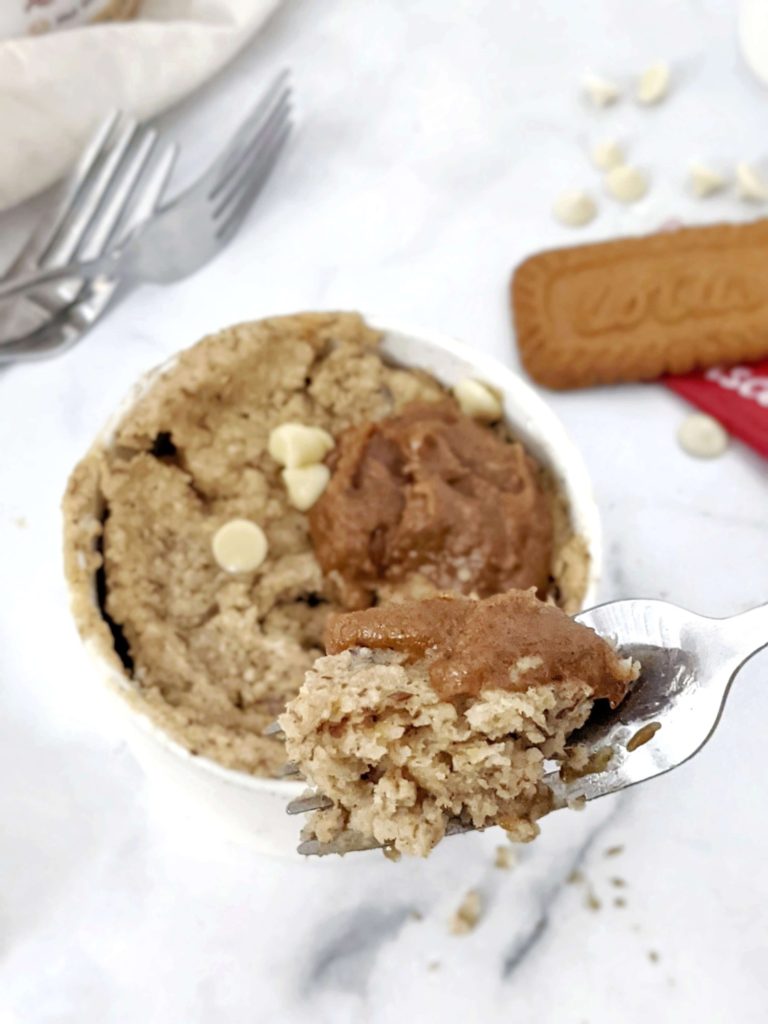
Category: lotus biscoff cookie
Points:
column 638, row 308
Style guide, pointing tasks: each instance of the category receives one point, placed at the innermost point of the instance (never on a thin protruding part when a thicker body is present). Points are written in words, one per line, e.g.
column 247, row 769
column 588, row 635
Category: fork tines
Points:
column 350, row 841
column 310, row 801
column 115, row 186
column 247, row 165
column 108, row 181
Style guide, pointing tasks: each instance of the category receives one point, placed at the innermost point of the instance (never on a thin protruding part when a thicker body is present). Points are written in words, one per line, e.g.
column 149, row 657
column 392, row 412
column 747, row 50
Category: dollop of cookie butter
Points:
column 431, row 493
column 511, row 641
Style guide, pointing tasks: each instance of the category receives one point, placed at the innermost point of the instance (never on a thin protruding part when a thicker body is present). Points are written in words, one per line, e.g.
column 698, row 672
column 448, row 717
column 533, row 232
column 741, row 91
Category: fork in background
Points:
column 115, row 186
column 188, row 231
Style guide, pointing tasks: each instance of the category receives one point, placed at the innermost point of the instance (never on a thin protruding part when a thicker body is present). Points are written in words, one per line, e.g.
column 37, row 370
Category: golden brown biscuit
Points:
column 637, row 308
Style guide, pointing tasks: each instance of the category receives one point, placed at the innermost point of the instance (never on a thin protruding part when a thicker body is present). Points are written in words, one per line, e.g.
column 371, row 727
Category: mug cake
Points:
column 274, row 474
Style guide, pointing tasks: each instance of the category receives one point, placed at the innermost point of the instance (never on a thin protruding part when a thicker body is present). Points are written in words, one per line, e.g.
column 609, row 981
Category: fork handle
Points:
column 20, row 284
column 747, row 634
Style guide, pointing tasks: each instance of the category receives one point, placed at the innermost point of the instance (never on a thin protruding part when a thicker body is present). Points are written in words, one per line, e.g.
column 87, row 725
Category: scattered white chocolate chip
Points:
column 468, row 914
column 627, row 184
column 574, row 208
column 295, row 444
column 653, row 85
column 702, row 436
column 305, row 484
column 752, row 187
column 705, row 181
column 600, row 91
column 477, row 399
column 239, row 546
column 607, row 155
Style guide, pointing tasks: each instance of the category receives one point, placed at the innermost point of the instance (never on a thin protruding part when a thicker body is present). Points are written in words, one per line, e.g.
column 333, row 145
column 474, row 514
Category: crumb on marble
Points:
column 614, row 851
column 505, row 858
column 619, row 901
column 21, row 522
column 591, row 901
column 653, row 956
column 468, row 914
column 434, row 965
column 391, row 853
column 619, row 883
column 576, row 877
column 416, row 915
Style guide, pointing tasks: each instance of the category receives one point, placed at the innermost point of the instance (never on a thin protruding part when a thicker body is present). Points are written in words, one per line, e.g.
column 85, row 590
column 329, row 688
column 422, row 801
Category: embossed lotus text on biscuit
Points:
column 611, row 303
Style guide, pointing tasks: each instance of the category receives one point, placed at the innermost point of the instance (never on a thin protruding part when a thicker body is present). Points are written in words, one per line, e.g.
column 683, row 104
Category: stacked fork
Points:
column 110, row 228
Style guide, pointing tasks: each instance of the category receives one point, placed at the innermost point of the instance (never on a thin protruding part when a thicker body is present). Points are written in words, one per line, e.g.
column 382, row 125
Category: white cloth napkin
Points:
column 54, row 89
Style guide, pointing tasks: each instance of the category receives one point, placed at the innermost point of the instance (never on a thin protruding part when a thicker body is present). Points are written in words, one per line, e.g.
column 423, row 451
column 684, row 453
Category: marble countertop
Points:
column 433, row 138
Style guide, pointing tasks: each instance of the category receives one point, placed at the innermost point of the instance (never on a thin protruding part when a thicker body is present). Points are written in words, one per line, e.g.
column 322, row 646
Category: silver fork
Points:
column 184, row 234
column 688, row 664
column 116, row 185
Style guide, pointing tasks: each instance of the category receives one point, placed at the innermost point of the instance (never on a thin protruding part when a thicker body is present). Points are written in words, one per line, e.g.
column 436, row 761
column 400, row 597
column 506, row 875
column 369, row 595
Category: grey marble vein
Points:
column 524, row 944
column 345, row 958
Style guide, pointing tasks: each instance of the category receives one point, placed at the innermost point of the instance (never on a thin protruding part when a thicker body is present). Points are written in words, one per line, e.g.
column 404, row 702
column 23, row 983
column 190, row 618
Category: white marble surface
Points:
column 433, row 139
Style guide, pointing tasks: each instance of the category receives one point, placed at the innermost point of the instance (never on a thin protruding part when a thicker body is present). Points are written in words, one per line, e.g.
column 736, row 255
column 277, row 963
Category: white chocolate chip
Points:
column 702, row 436
column 477, row 400
column 653, row 85
column 305, row 484
column 607, row 155
column 627, row 184
column 751, row 186
column 574, row 208
column 705, row 181
column 294, row 444
column 600, row 91
column 239, row 546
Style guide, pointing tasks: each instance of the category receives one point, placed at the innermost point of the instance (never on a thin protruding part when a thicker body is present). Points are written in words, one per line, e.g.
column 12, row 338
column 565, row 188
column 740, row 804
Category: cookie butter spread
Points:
column 441, row 714
column 431, row 492
column 509, row 642
column 212, row 642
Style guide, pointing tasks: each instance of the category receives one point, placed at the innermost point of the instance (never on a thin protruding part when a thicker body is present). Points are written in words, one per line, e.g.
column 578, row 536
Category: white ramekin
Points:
column 251, row 809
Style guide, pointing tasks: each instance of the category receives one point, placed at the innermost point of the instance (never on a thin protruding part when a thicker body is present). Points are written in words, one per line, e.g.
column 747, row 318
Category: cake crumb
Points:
column 576, row 877
column 577, row 803
column 468, row 914
column 653, row 956
column 583, row 764
column 416, row 915
column 434, row 965
column 391, row 853
column 614, row 851
column 505, row 858
column 619, row 901
column 592, row 902
column 619, row 883
column 643, row 735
